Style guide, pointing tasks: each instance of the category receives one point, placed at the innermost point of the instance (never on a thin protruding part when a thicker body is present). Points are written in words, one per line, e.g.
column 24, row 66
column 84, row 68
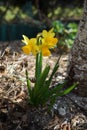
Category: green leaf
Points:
column 57, row 88
column 43, row 94
column 38, row 68
column 68, row 89
column 58, row 27
column 43, row 76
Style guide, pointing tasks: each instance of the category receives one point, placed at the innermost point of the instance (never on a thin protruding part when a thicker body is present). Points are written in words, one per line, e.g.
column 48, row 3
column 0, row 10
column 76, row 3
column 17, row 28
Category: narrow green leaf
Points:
column 69, row 89
column 66, row 91
column 43, row 95
column 43, row 76
column 57, row 88
column 40, row 62
column 38, row 68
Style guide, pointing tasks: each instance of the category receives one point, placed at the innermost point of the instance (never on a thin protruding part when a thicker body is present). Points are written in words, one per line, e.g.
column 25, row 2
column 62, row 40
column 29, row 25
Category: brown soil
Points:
column 68, row 113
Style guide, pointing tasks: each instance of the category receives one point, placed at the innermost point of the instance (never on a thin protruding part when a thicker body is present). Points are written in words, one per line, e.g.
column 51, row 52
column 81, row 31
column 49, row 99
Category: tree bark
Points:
column 77, row 69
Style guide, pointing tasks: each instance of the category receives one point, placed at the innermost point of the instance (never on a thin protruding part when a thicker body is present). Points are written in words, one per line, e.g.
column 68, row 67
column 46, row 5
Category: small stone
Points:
column 62, row 111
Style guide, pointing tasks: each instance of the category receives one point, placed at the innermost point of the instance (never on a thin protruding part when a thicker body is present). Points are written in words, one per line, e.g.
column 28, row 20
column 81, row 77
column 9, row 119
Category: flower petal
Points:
column 26, row 49
column 49, row 33
column 44, row 33
column 25, row 40
column 46, row 51
column 51, row 42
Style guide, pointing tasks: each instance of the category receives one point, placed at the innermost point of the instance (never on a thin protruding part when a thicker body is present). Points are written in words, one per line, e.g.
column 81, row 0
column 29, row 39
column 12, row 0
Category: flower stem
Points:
column 38, row 68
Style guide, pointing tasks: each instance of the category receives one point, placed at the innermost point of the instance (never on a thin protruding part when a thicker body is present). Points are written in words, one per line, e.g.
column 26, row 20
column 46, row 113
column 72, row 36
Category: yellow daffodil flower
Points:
column 31, row 46
column 48, row 42
column 49, row 39
column 42, row 43
column 49, row 33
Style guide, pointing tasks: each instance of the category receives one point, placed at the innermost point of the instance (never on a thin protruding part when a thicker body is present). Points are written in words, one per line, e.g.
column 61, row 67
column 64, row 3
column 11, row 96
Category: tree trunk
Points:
column 78, row 57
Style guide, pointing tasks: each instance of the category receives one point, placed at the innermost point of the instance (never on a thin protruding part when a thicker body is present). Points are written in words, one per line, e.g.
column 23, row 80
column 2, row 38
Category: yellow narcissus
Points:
column 31, row 46
column 42, row 43
column 49, row 39
column 48, row 42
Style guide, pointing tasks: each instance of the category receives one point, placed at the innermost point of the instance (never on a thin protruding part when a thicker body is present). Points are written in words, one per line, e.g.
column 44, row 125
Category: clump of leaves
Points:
column 41, row 93
column 65, row 33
